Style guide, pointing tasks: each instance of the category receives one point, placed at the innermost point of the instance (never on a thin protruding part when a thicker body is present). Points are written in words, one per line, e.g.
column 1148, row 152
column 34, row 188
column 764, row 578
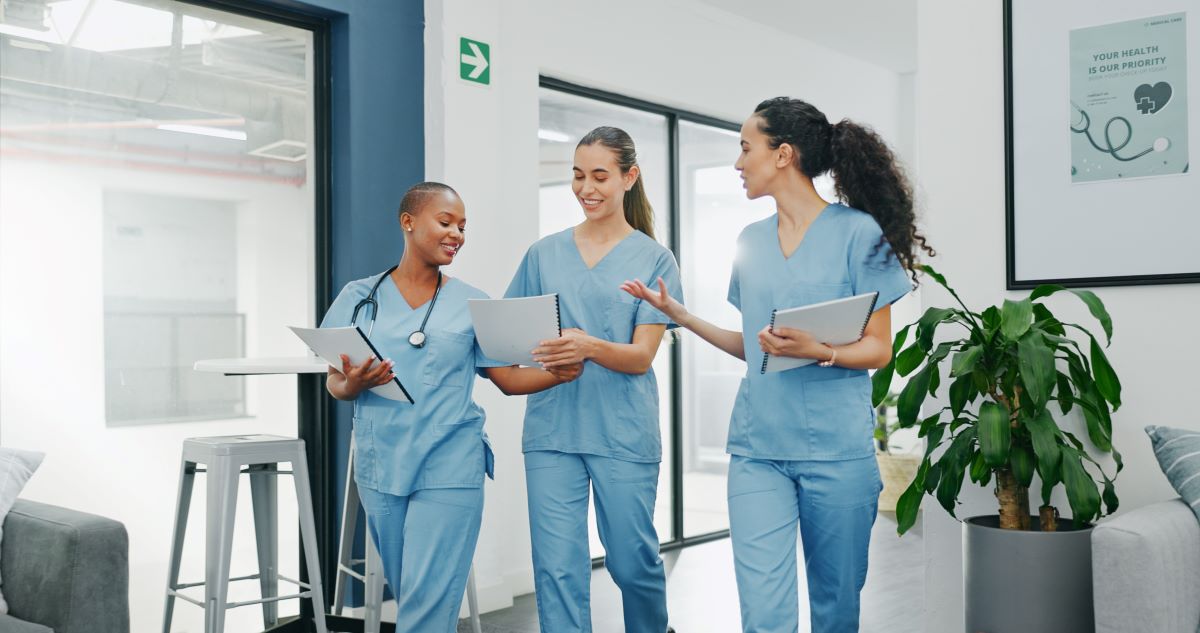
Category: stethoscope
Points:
column 1160, row 144
column 417, row 338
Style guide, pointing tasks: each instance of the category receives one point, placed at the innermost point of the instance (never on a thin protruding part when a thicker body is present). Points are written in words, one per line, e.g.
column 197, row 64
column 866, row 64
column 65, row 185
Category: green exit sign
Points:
column 474, row 61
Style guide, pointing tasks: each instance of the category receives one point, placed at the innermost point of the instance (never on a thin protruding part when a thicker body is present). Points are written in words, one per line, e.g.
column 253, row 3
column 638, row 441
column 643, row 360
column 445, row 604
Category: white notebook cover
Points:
column 509, row 329
column 330, row 342
column 837, row 322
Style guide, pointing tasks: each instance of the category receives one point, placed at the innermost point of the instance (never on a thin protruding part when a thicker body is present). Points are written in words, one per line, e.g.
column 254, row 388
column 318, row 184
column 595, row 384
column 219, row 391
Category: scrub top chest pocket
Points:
column 450, row 361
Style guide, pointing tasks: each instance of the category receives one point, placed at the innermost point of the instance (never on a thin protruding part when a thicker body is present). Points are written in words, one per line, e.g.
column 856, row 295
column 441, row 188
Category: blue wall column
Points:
column 376, row 151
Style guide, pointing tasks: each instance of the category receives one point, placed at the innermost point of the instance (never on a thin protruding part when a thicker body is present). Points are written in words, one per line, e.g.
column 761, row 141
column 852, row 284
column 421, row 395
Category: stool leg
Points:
column 346, row 539
column 473, row 601
column 183, row 501
column 373, row 591
column 223, row 476
column 308, row 533
column 264, row 493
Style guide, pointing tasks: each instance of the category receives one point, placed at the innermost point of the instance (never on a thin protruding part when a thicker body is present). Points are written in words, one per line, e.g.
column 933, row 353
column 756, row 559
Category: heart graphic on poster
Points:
column 1151, row 99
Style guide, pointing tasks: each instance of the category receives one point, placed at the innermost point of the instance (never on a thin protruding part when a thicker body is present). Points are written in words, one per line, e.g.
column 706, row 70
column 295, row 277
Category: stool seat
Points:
column 223, row 458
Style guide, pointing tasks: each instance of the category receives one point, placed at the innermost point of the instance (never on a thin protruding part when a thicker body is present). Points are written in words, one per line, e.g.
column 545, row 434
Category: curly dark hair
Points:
column 866, row 173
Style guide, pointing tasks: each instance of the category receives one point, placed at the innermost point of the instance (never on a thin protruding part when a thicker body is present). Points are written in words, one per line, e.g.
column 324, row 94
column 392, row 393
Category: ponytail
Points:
column 867, row 176
column 638, row 212
column 865, row 171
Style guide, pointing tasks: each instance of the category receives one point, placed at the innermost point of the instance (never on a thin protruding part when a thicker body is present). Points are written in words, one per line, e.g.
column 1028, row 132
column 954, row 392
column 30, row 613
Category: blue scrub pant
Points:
column 426, row 541
column 833, row 504
column 624, row 493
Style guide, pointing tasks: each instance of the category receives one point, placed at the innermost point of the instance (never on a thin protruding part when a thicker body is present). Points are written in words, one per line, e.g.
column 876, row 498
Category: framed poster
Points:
column 1100, row 132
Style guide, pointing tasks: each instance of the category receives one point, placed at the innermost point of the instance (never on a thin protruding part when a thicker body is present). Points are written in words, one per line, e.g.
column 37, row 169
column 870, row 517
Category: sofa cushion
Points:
column 1178, row 453
column 16, row 467
column 9, row 624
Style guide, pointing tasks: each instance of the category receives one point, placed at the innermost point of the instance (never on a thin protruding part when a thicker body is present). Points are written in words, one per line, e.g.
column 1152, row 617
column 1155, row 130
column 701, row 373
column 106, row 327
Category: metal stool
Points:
column 372, row 575
column 224, row 458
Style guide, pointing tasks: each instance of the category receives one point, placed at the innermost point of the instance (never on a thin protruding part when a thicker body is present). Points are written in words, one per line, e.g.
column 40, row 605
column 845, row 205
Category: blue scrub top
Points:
column 811, row 412
column 603, row 412
column 438, row 442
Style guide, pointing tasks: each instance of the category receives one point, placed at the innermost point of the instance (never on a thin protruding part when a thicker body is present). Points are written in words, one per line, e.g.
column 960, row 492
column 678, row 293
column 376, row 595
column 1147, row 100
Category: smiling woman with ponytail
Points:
column 601, row 432
column 802, row 459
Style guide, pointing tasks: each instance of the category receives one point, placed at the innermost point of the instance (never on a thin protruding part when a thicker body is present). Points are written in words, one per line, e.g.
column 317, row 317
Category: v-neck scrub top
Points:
column 811, row 412
column 603, row 412
column 437, row 442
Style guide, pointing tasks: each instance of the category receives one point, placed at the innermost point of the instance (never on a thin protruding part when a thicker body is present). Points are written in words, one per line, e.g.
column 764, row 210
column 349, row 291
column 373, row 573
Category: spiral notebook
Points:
column 509, row 329
column 837, row 322
column 330, row 342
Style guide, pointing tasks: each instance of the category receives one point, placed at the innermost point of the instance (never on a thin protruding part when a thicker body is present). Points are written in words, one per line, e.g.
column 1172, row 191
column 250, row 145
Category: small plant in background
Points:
column 1017, row 362
column 885, row 426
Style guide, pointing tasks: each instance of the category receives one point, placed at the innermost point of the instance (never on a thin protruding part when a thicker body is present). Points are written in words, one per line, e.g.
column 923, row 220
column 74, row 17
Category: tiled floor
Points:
column 702, row 593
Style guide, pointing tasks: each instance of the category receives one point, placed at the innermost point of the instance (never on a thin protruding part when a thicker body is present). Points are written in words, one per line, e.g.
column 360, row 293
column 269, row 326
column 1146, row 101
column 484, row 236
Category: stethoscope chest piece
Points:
column 417, row 339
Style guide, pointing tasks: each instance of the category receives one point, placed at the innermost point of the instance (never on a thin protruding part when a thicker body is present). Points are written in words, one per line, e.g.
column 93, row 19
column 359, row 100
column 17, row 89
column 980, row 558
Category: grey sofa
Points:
column 63, row 571
column 1146, row 570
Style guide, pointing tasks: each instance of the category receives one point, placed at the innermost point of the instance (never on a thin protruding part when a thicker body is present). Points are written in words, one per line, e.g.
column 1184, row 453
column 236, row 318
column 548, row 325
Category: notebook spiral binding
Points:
column 558, row 314
column 861, row 331
column 766, row 356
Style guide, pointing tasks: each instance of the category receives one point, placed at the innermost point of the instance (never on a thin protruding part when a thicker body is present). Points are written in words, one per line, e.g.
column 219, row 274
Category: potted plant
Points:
column 896, row 469
column 1012, row 370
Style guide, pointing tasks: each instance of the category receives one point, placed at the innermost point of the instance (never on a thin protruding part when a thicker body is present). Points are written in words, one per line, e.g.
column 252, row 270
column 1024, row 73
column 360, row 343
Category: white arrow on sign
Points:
column 475, row 59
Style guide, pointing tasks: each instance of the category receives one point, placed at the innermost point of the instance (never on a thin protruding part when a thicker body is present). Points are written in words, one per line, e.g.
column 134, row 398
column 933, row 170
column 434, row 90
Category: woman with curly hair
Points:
column 800, row 440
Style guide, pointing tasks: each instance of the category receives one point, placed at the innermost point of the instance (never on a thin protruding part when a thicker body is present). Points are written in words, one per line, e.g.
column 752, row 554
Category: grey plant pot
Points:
column 1027, row 581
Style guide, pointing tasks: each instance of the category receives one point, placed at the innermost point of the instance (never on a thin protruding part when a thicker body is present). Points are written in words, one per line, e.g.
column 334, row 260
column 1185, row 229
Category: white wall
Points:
column 482, row 141
column 52, row 335
column 960, row 159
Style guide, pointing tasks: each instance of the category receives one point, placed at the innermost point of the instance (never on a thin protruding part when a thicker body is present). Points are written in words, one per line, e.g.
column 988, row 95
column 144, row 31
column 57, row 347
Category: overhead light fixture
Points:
column 236, row 135
column 552, row 136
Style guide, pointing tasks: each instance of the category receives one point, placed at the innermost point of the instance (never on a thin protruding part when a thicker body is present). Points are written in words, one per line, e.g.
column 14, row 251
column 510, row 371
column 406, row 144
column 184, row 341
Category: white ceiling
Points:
column 882, row 32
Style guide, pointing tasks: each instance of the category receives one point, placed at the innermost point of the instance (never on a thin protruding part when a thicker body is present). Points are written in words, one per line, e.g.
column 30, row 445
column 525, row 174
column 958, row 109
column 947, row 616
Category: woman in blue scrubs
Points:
column 420, row 467
column 601, row 430
column 801, row 440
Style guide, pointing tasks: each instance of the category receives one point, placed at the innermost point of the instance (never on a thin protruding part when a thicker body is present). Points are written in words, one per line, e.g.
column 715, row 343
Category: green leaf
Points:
column 962, row 391
column 964, row 361
column 1082, row 492
column 1045, row 319
column 1066, row 399
column 1020, row 459
column 911, row 397
column 928, row 423
column 1096, row 307
column 1095, row 413
column 927, row 325
column 953, row 469
column 910, row 359
column 1110, row 497
column 935, row 379
column 1106, row 379
column 1015, row 318
column 907, row 507
column 1094, row 304
column 933, row 477
column 1043, row 431
column 881, row 383
column 1044, row 290
column 991, row 318
column 979, row 467
column 1036, row 363
column 995, row 434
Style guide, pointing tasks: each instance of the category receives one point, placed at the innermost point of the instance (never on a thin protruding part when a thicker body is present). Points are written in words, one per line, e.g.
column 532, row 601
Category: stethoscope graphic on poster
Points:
column 1128, row 95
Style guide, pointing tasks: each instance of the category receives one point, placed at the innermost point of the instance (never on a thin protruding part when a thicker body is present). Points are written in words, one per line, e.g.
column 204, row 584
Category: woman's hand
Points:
column 356, row 379
column 572, row 348
column 566, row 373
column 661, row 300
column 785, row 341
